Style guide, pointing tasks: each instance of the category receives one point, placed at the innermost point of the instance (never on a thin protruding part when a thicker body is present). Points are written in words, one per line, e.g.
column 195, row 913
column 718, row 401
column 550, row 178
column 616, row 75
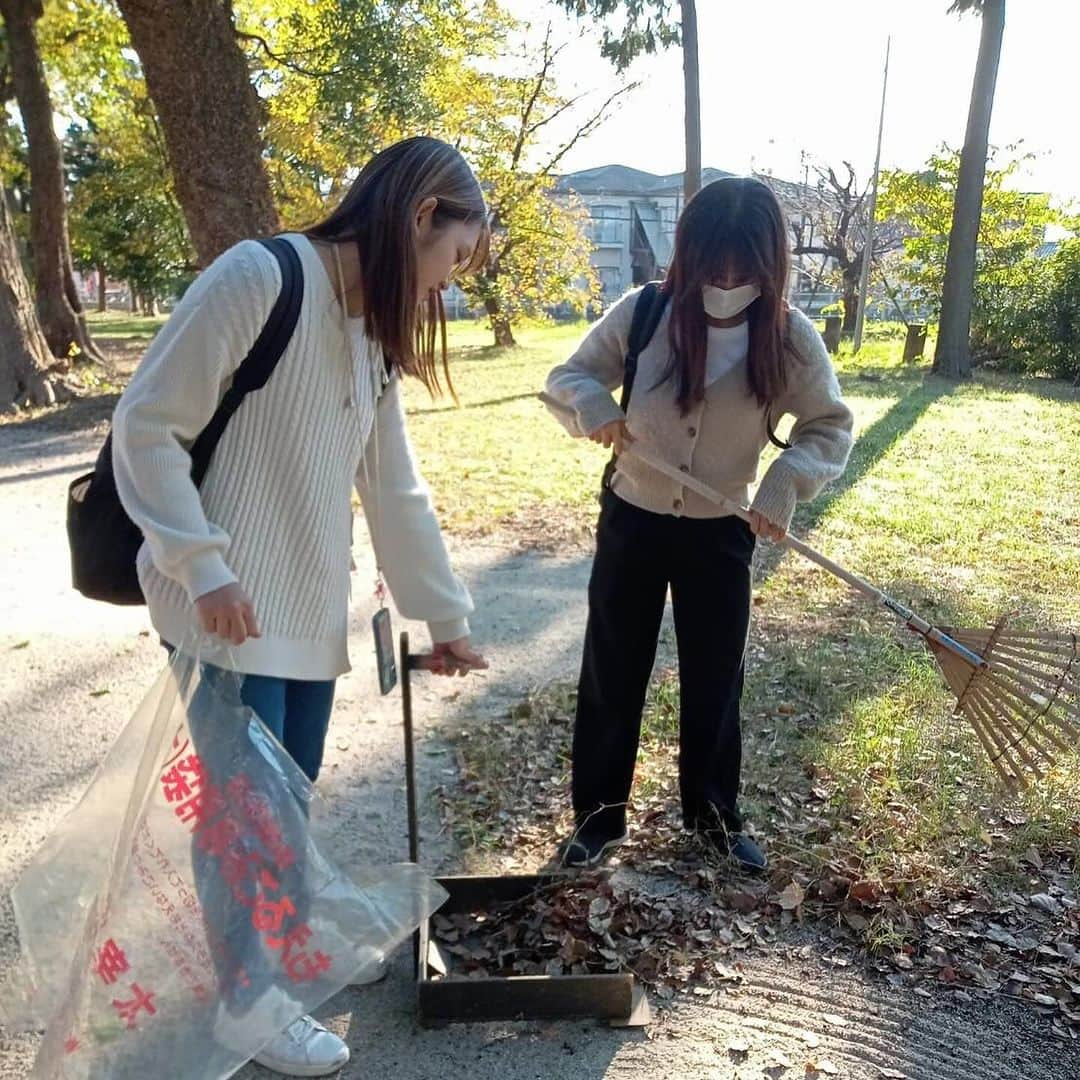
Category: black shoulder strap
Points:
column 257, row 367
column 648, row 311
column 780, row 444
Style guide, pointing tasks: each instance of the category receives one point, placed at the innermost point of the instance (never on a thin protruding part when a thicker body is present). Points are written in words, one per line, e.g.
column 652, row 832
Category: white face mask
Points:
column 726, row 303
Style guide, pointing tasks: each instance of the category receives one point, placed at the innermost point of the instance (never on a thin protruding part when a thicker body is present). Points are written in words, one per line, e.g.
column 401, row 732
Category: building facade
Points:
column 632, row 227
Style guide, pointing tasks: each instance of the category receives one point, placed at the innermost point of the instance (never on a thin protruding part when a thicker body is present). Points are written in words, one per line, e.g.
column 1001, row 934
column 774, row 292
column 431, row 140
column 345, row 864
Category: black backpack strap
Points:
column 257, row 367
column 780, row 444
column 648, row 311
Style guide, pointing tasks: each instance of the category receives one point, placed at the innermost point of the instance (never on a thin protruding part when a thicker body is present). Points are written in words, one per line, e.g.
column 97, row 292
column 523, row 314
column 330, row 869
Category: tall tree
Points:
column 210, row 114
column 1012, row 227
column 25, row 357
column 125, row 221
column 952, row 357
column 59, row 306
column 647, row 25
column 539, row 256
column 340, row 79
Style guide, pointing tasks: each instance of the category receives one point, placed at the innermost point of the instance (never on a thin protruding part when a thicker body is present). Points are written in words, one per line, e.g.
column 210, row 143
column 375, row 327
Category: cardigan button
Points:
column 684, row 468
column 677, row 504
column 692, row 432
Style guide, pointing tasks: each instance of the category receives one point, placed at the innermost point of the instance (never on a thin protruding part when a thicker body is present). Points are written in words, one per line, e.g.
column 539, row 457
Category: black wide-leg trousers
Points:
column 706, row 562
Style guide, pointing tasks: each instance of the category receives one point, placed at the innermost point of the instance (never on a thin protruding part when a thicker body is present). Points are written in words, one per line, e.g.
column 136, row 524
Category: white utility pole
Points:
column 864, row 277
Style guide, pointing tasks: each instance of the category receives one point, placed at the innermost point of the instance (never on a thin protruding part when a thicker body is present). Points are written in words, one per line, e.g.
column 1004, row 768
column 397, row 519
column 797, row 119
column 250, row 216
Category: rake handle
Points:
column 740, row 511
column 915, row 622
column 918, row 624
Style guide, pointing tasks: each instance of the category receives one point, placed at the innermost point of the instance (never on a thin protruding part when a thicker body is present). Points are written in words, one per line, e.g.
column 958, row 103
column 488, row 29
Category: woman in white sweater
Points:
column 726, row 360
column 259, row 554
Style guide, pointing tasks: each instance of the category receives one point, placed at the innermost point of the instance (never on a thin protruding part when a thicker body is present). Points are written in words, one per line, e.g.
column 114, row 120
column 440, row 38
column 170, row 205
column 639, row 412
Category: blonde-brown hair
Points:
column 377, row 214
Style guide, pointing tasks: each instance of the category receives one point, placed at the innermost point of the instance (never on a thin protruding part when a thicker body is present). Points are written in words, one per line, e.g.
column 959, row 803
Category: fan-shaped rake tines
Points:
column 1023, row 701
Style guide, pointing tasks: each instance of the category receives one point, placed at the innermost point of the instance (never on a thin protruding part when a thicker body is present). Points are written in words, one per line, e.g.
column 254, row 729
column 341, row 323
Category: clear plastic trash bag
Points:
column 188, row 908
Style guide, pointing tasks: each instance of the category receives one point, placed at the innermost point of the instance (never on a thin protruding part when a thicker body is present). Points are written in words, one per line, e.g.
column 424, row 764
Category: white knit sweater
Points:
column 274, row 510
column 721, row 439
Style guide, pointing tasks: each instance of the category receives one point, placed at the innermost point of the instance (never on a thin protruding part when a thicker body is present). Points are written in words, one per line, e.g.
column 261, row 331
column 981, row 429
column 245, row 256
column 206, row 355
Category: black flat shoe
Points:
column 746, row 853
column 737, row 846
column 589, row 846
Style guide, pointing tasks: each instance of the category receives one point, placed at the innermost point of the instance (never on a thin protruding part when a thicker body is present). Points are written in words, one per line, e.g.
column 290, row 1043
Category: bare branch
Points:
column 541, row 80
column 558, row 112
column 310, row 73
column 587, row 128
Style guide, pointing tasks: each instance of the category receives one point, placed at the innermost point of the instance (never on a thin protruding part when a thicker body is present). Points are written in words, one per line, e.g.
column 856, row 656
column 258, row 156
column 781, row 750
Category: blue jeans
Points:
column 297, row 711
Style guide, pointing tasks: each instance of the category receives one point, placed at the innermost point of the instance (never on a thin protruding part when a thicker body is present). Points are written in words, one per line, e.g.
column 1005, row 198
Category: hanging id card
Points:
column 384, row 650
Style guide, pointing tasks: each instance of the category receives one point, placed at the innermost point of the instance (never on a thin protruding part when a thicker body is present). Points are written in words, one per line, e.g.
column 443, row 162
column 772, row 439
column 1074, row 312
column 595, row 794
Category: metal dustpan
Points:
column 443, row 999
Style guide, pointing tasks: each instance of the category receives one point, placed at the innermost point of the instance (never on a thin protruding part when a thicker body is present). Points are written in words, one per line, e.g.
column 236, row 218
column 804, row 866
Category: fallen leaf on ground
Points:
column 792, row 897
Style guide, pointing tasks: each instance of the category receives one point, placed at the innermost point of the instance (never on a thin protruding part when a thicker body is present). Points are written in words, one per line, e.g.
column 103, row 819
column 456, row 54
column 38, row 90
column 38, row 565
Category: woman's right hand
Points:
column 228, row 613
column 614, row 434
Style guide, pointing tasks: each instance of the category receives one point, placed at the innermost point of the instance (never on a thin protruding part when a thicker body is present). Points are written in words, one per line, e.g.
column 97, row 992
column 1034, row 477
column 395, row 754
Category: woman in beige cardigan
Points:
column 726, row 360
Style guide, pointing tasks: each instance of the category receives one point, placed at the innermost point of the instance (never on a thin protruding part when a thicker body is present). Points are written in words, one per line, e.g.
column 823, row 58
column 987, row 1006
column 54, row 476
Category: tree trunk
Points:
column 59, row 307
column 210, row 114
column 25, row 355
column 851, row 298
column 133, row 299
column 102, row 290
column 952, row 357
column 692, row 90
column 500, row 324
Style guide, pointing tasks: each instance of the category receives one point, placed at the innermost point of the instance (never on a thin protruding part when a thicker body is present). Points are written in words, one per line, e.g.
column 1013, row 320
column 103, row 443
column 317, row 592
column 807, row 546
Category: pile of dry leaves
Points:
column 681, row 923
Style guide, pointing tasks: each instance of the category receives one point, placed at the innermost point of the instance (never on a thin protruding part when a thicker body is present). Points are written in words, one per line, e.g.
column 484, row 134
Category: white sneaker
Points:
column 271, row 1011
column 304, row 1048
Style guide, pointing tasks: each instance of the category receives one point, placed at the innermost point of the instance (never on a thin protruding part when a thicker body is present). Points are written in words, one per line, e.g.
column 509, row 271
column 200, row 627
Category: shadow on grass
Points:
column 871, row 446
column 852, row 697
column 473, row 404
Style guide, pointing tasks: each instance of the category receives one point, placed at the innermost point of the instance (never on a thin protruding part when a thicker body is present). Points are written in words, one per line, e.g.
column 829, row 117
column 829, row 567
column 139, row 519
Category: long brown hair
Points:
column 733, row 224
column 377, row 214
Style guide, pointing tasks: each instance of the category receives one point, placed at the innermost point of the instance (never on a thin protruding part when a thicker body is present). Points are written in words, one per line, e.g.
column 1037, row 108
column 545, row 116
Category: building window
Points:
column 610, row 280
column 606, row 224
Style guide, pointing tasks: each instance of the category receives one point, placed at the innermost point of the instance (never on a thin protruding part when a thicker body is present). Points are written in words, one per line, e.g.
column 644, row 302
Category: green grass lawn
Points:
column 118, row 325
column 499, row 458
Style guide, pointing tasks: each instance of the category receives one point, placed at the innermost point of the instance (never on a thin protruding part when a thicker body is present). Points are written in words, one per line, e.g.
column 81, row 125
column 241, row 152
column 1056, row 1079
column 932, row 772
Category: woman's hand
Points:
column 456, row 658
column 228, row 613
column 614, row 434
column 762, row 526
